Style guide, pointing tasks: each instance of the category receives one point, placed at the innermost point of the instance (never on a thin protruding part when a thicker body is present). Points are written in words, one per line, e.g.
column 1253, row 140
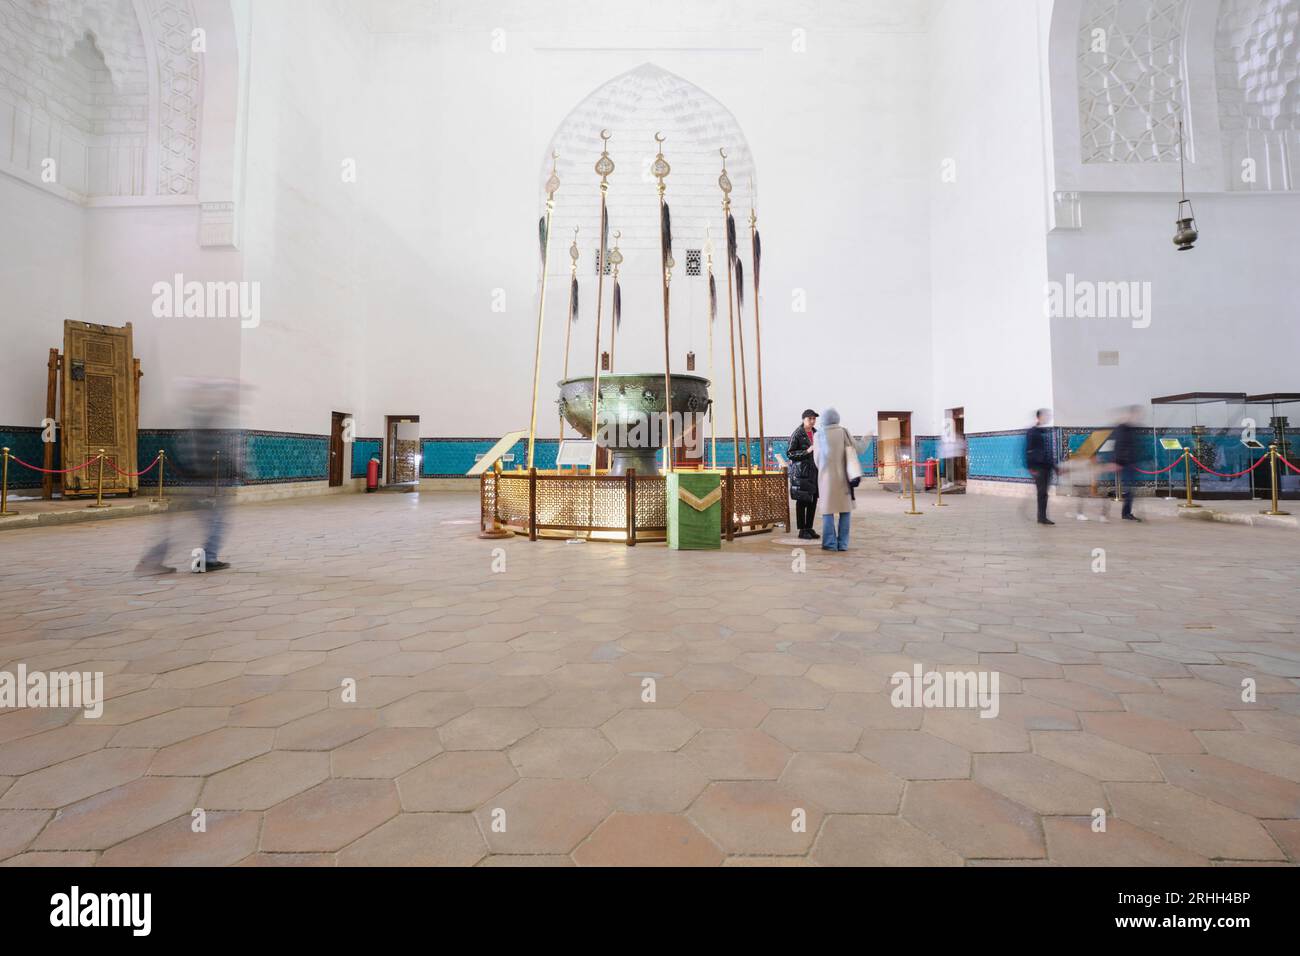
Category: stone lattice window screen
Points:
column 1131, row 80
column 633, row 107
column 1258, row 80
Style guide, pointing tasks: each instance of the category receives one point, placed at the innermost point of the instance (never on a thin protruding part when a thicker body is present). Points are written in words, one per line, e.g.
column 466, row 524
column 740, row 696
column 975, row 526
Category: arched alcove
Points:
column 633, row 107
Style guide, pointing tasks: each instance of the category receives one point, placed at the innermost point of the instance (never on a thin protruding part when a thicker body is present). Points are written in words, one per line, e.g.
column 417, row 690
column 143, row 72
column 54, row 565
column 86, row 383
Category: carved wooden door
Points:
column 98, row 407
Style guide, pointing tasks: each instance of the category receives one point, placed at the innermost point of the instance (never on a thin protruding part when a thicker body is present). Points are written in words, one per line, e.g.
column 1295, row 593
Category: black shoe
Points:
column 813, row 534
column 1045, row 521
column 1130, row 517
column 805, row 534
column 216, row 566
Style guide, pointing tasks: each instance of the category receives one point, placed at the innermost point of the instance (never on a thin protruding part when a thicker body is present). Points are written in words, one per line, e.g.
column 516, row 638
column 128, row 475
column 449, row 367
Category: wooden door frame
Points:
column 904, row 440
column 337, row 448
column 390, row 443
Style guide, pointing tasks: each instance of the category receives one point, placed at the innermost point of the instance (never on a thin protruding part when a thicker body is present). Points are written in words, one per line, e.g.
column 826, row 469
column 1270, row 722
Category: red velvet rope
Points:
column 1288, row 464
column 54, row 471
column 1235, row 474
column 134, row 474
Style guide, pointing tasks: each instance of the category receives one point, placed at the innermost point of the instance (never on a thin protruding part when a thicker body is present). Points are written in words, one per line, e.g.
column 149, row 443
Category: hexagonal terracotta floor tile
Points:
column 385, row 753
column 915, row 755
column 77, row 779
column 650, row 781
column 1072, row 841
column 541, row 816
column 487, row 728
column 561, row 752
column 649, row 729
column 98, row 822
column 737, row 755
column 212, row 752
column 973, row 820
column 1192, row 822
column 458, row 780
column 329, row 816
column 228, row 837
column 756, row 818
column 419, row 839
column 843, row 783
column 264, row 781
column 721, row 709
column 647, row 839
column 1038, row 783
column 878, row 841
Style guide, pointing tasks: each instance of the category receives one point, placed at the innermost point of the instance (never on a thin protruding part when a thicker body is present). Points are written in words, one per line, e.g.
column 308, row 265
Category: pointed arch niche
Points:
column 633, row 107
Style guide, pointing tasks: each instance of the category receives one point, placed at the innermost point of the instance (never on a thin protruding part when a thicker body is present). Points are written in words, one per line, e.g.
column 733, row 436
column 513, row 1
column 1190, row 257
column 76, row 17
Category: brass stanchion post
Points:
column 162, row 464
column 1187, row 476
column 1272, row 468
column 4, row 484
column 938, row 483
column 99, row 485
column 911, row 486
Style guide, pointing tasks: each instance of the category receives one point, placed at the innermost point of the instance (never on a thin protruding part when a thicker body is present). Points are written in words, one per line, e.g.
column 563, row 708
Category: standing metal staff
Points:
column 713, row 315
column 543, row 235
column 660, row 170
column 616, row 260
column 758, row 333
column 740, row 335
column 724, row 182
column 573, row 310
column 604, row 166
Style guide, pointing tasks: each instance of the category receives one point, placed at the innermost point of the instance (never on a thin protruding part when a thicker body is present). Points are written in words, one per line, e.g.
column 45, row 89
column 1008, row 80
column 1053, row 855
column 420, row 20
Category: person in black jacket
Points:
column 803, row 474
column 1127, row 455
column 1040, row 460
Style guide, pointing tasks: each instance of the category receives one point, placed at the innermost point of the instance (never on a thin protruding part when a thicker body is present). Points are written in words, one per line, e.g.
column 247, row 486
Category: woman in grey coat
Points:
column 830, row 451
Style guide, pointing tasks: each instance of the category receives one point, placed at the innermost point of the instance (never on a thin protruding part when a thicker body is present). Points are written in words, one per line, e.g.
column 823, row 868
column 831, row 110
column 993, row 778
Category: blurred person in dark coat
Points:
column 803, row 474
column 1127, row 453
column 1040, row 460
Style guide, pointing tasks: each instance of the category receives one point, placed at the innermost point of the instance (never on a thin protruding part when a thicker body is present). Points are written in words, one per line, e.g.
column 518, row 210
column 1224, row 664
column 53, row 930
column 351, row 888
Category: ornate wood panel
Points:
column 99, row 406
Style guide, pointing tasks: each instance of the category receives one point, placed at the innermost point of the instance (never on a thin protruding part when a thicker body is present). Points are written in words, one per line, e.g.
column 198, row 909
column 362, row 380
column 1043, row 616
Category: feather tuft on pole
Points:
column 573, row 299
column 541, row 236
column 740, row 285
column 731, row 238
column 666, row 223
column 618, row 305
column 758, row 256
column 713, row 299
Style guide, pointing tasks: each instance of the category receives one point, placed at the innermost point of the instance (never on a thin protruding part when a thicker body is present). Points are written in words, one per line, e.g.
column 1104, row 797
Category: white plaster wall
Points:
column 300, row 219
column 992, row 348
column 452, row 193
column 40, row 285
column 1225, row 315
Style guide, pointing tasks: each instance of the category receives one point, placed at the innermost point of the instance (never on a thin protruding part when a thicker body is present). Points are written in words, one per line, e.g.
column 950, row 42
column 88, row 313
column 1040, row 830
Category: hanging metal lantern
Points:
column 690, row 361
column 1186, row 234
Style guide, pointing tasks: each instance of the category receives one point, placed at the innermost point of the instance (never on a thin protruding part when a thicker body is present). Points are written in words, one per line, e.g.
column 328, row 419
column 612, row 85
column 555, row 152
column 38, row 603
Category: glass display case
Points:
column 1215, row 426
column 1277, row 421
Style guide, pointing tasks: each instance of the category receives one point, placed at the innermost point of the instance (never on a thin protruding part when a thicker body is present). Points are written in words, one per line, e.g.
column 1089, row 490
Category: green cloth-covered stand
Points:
column 694, row 511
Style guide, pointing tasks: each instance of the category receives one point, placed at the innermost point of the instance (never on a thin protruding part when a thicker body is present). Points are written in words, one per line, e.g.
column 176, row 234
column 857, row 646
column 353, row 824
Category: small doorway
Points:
column 403, row 434
column 953, row 447
column 893, row 441
column 337, row 425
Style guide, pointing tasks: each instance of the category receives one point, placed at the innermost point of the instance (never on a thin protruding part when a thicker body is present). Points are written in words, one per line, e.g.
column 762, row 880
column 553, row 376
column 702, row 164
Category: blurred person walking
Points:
column 831, row 451
column 1127, row 453
column 213, row 409
column 1040, row 460
column 803, row 474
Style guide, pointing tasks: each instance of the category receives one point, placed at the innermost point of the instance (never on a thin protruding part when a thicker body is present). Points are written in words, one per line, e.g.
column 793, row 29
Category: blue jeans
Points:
column 834, row 539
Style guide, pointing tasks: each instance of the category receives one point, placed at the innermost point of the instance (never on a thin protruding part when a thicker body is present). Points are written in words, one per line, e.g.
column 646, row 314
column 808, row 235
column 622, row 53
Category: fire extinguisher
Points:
column 372, row 475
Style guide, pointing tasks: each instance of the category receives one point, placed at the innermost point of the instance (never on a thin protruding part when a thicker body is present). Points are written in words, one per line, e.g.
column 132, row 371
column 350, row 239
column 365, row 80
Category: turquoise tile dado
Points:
column 278, row 456
column 363, row 449
column 25, row 443
column 1000, row 456
column 453, row 457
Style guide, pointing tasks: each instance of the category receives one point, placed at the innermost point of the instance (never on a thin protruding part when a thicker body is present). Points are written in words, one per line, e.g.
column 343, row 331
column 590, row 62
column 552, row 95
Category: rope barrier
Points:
column 132, row 474
column 1172, row 466
column 1288, row 464
column 1235, row 474
column 53, row 471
